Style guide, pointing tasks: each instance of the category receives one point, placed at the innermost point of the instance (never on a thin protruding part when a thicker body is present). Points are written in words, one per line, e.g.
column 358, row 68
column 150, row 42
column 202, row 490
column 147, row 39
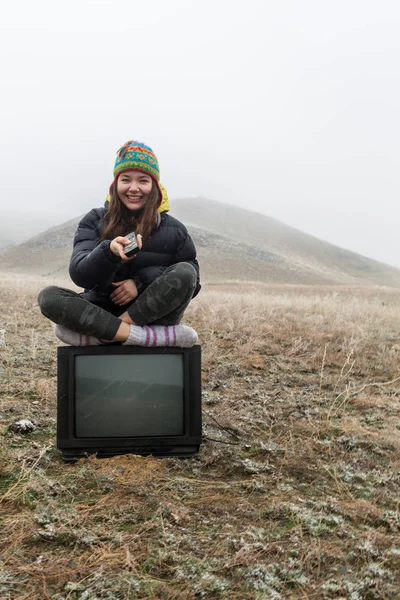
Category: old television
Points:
column 116, row 399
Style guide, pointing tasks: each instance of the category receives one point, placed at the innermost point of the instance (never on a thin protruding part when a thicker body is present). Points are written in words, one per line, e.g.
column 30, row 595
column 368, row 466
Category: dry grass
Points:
column 295, row 493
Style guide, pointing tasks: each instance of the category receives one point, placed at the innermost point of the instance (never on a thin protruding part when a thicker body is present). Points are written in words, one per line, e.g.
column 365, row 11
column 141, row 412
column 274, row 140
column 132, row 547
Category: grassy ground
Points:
column 295, row 493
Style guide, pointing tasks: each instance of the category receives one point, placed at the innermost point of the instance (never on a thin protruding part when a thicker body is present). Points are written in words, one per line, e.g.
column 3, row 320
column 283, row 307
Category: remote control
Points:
column 133, row 247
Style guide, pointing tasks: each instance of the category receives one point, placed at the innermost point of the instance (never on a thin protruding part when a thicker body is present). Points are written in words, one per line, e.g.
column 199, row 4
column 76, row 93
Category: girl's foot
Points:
column 160, row 335
column 75, row 339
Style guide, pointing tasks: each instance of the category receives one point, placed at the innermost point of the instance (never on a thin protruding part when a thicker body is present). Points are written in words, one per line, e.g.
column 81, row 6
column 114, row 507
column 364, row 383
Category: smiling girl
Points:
column 138, row 300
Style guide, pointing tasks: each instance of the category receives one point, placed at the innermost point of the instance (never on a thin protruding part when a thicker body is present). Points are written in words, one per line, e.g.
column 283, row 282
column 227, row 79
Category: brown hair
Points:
column 119, row 220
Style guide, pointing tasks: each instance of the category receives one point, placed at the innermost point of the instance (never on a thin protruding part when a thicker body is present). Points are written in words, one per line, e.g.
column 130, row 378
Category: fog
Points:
column 287, row 108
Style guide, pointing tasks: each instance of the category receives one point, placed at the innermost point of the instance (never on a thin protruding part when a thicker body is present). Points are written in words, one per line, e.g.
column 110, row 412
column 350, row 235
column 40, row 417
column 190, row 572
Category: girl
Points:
column 138, row 300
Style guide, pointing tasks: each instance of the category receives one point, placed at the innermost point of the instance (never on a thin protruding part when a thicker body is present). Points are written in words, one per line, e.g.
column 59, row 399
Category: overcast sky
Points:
column 289, row 107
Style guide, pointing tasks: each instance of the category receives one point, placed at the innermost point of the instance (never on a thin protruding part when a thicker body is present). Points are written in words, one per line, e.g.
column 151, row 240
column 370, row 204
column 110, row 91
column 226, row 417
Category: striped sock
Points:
column 160, row 335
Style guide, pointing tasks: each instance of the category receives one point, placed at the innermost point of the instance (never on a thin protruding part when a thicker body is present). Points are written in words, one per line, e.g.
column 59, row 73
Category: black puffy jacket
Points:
column 94, row 267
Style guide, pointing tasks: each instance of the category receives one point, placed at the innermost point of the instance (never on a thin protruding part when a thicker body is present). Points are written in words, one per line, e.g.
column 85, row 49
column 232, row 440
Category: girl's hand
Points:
column 118, row 244
column 125, row 292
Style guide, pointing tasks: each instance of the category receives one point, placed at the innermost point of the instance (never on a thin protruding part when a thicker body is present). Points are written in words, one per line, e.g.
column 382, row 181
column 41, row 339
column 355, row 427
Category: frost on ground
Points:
column 22, row 426
column 295, row 493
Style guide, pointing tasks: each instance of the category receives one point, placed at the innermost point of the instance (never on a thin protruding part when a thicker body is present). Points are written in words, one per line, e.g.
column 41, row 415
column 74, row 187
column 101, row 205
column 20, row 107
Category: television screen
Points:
column 129, row 395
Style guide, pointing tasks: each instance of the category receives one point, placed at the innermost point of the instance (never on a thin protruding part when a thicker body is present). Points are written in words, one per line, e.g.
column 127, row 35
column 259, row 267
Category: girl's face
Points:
column 133, row 188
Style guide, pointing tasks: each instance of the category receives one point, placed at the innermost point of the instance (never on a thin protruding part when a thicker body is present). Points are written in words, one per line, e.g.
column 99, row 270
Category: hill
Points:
column 232, row 243
column 18, row 226
column 288, row 255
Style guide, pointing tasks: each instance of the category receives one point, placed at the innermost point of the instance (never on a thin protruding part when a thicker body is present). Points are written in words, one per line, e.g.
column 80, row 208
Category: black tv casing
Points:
column 73, row 448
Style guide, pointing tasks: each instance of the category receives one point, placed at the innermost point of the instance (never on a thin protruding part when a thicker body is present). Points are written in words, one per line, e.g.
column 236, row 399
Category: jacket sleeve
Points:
column 186, row 252
column 92, row 264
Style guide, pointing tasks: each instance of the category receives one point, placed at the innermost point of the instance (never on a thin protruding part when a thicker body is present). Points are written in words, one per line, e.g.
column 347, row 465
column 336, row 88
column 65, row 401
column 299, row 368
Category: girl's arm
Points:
column 92, row 264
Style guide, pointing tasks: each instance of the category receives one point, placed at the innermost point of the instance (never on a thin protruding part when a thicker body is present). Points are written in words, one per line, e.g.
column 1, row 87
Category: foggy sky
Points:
column 287, row 108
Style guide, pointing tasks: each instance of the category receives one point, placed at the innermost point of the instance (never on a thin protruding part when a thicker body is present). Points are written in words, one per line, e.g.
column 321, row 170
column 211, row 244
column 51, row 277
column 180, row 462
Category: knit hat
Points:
column 136, row 155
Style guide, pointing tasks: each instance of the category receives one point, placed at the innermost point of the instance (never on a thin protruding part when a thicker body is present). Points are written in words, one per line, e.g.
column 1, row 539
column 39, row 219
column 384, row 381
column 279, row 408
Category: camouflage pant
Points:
column 163, row 302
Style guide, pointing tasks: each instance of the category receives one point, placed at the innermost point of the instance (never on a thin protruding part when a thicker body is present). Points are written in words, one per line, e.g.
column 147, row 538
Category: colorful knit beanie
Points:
column 136, row 155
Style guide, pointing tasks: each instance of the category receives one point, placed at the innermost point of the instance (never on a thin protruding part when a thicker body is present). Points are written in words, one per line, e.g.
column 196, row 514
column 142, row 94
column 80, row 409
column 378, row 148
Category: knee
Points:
column 187, row 274
column 48, row 300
